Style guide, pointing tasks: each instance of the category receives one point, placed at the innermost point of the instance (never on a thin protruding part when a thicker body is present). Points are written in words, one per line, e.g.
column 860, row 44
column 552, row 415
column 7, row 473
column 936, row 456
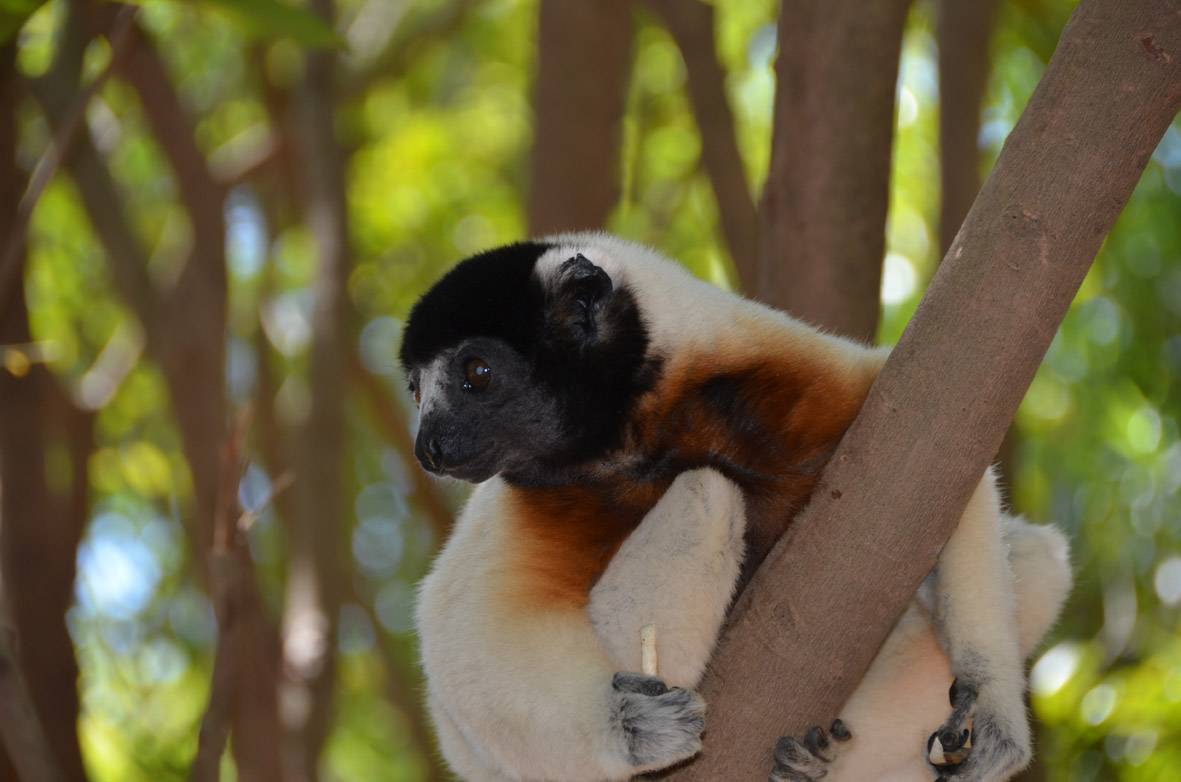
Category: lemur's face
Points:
column 481, row 412
column 522, row 373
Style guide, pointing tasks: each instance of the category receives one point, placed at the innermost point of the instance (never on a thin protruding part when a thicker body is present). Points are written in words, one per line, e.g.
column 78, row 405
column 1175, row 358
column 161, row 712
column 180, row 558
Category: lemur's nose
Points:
column 432, row 455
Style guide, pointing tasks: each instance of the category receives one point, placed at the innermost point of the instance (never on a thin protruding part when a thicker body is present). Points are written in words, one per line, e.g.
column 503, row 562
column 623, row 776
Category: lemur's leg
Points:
column 532, row 693
column 987, row 735
column 676, row 571
column 904, row 694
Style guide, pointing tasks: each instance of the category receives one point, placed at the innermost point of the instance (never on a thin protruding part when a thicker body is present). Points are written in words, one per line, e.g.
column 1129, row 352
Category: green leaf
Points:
column 13, row 15
column 277, row 19
column 269, row 19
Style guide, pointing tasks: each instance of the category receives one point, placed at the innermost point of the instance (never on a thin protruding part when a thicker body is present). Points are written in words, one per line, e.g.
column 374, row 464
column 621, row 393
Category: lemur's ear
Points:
column 579, row 292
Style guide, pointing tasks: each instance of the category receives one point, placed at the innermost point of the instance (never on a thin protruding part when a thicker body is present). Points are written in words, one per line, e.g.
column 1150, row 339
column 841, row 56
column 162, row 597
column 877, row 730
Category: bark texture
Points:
column 824, row 599
column 584, row 59
column 824, row 203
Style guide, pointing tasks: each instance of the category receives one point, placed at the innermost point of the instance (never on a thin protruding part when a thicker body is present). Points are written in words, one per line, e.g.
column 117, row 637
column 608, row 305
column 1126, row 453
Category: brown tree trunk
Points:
column 39, row 533
column 691, row 24
column 584, row 60
column 315, row 570
column 824, row 204
column 964, row 30
column 806, row 628
column 185, row 329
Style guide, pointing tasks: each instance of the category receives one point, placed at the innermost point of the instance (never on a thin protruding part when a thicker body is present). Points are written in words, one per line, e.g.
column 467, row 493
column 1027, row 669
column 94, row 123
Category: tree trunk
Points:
column 964, row 30
column 824, row 599
column 39, row 532
column 185, row 329
column 315, row 568
column 584, row 60
column 824, row 204
column 691, row 24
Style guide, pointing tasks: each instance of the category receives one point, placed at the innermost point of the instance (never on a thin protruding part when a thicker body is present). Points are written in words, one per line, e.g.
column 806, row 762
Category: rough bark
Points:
column 824, row 203
column 829, row 591
column 315, row 562
column 691, row 24
column 39, row 532
column 584, row 59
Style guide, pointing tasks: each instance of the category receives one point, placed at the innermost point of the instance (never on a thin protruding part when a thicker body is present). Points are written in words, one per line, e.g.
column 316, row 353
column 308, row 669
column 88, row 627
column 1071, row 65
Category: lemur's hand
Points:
column 981, row 740
column 802, row 761
column 659, row 725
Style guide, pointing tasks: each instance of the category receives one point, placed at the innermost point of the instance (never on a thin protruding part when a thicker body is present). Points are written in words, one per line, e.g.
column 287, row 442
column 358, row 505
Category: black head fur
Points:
column 492, row 294
column 583, row 339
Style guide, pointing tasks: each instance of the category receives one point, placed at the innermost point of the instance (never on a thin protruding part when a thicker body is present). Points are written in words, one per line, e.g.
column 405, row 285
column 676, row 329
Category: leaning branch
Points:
column 806, row 629
column 691, row 25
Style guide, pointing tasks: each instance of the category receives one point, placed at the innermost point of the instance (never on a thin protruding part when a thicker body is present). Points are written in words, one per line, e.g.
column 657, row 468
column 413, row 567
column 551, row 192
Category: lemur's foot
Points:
column 660, row 725
column 977, row 743
column 801, row 761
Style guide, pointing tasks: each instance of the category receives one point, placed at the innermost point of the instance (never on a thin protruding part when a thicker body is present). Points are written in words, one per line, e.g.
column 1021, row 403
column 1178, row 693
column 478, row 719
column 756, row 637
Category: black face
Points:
column 481, row 413
column 519, row 380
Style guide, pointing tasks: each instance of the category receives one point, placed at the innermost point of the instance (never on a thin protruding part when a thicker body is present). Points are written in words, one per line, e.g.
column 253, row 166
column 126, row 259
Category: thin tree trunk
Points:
column 39, row 534
column 964, row 30
column 584, row 60
column 691, row 24
column 824, row 204
column 315, row 572
column 820, row 606
column 185, row 330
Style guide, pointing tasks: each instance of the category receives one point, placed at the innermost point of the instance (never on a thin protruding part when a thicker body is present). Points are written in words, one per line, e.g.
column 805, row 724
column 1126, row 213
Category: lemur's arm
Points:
column 676, row 571
column 534, row 694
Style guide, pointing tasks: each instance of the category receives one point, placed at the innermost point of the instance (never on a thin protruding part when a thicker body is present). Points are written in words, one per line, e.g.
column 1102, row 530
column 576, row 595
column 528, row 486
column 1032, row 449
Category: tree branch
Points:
column 315, row 569
column 408, row 46
column 824, row 204
column 964, row 30
column 818, row 610
column 584, row 60
column 20, row 729
column 59, row 147
column 691, row 24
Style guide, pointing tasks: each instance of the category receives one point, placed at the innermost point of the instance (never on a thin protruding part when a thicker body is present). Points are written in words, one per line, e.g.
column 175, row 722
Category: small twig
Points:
column 229, row 579
column 59, row 147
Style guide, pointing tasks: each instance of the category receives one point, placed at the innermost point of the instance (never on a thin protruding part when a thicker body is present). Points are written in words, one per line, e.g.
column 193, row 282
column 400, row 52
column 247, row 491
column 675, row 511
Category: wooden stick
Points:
column 649, row 662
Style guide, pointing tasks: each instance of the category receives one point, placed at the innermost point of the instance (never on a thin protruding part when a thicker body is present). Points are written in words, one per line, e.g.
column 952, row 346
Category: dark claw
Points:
column 816, row 740
column 839, row 731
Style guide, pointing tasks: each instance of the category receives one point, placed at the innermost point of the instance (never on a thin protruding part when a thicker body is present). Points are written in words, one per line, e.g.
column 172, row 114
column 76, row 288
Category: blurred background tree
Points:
column 214, row 205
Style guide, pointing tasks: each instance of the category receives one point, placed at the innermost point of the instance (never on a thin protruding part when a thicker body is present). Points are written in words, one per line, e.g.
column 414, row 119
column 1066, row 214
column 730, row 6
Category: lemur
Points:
column 640, row 439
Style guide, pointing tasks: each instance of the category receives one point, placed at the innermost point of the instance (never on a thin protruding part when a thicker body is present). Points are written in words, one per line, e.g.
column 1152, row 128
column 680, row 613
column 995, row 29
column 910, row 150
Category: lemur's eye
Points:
column 476, row 374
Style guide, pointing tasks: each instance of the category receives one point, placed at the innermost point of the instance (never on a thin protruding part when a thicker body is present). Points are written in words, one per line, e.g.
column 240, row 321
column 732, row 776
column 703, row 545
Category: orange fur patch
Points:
column 768, row 415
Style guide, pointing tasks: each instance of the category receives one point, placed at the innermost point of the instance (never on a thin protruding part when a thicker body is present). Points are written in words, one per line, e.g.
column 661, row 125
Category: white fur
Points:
column 526, row 695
